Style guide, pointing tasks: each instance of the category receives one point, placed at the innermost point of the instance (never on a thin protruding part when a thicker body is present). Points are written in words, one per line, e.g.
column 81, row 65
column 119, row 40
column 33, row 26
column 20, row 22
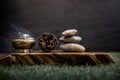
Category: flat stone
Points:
column 72, row 39
column 72, row 47
column 70, row 32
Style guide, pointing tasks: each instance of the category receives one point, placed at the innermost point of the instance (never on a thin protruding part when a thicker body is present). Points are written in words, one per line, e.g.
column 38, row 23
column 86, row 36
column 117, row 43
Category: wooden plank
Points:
column 58, row 57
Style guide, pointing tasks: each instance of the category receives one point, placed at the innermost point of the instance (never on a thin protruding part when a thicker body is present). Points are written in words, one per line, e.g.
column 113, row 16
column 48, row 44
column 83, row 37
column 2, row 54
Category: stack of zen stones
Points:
column 70, row 41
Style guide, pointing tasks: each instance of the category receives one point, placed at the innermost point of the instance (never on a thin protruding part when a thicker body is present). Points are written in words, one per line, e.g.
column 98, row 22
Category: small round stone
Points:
column 70, row 32
column 47, row 42
column 72, row 47
column 72, row 39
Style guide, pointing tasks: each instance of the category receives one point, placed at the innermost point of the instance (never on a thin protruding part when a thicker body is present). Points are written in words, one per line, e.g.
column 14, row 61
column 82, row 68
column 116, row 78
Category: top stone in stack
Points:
column 70, row 32
column 70, row 41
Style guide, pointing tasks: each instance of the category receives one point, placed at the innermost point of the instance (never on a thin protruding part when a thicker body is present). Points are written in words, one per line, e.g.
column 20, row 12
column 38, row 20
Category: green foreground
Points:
column 62, row 72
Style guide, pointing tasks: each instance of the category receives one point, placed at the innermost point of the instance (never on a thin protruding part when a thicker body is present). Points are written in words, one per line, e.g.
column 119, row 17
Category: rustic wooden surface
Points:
column 57, row 57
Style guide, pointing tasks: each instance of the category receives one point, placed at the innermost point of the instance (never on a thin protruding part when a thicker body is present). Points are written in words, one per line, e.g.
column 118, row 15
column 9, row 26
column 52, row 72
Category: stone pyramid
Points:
column 70, row 41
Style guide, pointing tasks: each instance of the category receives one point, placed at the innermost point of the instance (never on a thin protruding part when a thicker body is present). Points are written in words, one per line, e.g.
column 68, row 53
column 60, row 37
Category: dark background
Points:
column 98, row 21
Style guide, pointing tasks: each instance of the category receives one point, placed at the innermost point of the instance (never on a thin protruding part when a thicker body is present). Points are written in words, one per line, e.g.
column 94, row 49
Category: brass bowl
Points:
column 23, row 45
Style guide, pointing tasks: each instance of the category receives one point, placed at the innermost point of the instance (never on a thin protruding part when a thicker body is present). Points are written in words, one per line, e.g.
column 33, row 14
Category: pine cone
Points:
column 47, row 42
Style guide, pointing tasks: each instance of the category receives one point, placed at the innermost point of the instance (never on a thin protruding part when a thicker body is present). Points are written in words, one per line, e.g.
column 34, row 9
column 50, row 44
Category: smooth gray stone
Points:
column 72, row 47
column 70, row 32
column 74, row 39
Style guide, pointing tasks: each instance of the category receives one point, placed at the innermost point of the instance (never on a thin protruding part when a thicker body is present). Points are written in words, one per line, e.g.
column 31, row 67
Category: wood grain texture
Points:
column 58, row 57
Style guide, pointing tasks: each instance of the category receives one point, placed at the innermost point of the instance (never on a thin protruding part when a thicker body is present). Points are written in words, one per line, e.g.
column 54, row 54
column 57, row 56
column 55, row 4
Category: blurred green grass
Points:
column 62, row 72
